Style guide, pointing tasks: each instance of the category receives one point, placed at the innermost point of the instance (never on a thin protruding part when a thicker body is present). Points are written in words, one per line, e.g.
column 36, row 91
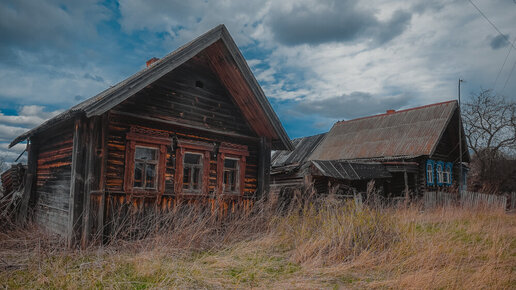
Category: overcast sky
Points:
column 317, row 61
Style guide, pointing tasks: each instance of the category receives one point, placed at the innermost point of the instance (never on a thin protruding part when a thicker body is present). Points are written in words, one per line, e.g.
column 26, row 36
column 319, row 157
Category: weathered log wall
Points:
column 53, row 172
column 120, row 125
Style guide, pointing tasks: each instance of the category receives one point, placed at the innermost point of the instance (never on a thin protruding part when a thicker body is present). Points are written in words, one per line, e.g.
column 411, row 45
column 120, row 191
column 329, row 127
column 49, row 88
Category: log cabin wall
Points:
column 53, row 172
column 189, row 104
column 120, row 125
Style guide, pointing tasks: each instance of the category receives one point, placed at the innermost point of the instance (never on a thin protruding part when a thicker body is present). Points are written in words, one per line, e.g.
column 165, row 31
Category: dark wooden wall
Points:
column 81, row 167
column 191, row 95
column 53, row 171
column 119, row 126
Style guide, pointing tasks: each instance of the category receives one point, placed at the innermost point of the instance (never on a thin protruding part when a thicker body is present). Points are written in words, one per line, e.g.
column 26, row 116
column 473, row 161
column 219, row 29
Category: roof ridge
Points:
column 395, row 112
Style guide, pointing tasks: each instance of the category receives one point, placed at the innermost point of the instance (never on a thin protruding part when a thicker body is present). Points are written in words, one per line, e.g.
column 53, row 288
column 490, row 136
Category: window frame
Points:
column 141, row 137
column 439, row 173
column 155, row 162
column 449, row 171
column 235, row 152
column 237, row 175
column 195, row 147
column 201, row 166
column 430, row 173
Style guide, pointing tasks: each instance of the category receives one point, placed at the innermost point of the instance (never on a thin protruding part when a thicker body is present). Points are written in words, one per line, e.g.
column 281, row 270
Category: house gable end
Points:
column 191, row 94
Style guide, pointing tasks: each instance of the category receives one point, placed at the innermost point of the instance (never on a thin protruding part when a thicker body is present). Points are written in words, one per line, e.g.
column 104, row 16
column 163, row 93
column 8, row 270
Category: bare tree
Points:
column 490, row 128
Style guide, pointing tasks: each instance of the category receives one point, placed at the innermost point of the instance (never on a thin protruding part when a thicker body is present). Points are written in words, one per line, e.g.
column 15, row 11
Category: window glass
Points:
column 138, row 174
column 192, row 158
column 230, row 178
column 145, row 164
column 439, row 170
column 143, row 153
column 192, row 172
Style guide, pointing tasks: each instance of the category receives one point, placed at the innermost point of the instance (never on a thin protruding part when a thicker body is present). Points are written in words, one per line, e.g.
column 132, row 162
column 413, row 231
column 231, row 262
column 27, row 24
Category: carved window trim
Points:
column 235, row 152
column 194, row 147
column 145, row 138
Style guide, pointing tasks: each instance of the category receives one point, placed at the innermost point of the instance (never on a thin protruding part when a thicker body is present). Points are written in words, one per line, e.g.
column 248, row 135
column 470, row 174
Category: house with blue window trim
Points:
column 412, row 150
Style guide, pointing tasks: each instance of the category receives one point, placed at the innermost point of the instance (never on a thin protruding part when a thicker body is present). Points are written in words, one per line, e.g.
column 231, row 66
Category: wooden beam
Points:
column 30, row 183
column 186, row 125
column 91, row 176
column 264, row 164
column 76, row 198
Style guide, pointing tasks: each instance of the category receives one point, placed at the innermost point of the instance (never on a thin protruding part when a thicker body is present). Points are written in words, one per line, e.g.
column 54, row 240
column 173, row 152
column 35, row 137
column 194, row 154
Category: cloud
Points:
column 11, row 126
column 8, row 133
column 34, row 25
column 499, row 41
column 30, row 116
column 353, row 105
column 316, row 22
column 181, row 21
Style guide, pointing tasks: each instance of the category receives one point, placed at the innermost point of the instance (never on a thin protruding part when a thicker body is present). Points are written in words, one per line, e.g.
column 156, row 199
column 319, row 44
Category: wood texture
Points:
column 52, row 182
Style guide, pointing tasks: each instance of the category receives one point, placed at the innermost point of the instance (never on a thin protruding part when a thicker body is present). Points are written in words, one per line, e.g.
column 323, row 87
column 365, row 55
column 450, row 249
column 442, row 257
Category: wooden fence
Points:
column 470, row 200
column 512, row 199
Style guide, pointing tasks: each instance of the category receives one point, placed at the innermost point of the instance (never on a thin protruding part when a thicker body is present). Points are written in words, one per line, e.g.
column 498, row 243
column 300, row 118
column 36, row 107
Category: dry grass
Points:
column 325, row 244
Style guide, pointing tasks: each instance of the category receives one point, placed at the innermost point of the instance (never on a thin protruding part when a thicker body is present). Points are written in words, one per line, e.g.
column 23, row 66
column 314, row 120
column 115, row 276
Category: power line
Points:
column 503, row 65
column 506, row 39
column 507, row 80
column 490, row 22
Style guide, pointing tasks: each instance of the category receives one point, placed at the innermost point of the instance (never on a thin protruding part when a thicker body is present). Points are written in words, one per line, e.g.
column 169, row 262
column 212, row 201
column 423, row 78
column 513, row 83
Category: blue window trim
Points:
column 432, row 163
column 449, row 168
column 438, row 164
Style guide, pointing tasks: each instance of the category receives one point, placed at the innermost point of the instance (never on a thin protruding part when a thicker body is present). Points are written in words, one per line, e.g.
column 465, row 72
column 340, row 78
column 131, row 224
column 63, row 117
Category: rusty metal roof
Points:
column 350, row 170
column 411, row 132
column 303, row 147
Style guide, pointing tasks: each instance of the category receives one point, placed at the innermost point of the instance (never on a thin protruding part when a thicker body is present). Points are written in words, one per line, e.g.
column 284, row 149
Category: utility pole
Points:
column 460, row 143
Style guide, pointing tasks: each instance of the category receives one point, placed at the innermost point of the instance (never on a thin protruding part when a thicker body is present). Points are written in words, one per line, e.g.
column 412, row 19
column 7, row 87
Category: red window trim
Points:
column 146, row 138
column 185, row 146
column 233, row 151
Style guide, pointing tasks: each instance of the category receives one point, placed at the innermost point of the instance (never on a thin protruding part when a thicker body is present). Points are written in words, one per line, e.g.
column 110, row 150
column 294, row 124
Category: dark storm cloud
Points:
column 34, row 25
column 333, row 21
column 353, row 105
column 499, row 41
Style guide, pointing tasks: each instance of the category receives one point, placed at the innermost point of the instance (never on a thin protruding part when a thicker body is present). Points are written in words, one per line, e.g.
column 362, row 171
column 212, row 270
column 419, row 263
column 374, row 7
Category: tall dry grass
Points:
column 319, row 243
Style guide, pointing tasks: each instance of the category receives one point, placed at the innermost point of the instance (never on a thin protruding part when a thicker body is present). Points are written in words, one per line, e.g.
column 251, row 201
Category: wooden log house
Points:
column 406, row 151
column 194, row 126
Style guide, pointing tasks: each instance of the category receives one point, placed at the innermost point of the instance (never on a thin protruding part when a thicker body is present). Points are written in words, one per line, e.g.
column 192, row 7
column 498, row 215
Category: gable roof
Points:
column 217, row 40
column 303, row 147
column 405, row 133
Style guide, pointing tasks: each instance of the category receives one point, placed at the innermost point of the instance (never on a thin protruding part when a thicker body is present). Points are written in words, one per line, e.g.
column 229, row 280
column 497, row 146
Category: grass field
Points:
column 328, row 245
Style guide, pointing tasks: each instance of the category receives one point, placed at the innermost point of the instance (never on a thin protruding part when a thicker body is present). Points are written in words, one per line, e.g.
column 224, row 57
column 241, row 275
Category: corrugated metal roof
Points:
column 410, row 132
column 350, row 170
column 303, row 147
column 114, row 95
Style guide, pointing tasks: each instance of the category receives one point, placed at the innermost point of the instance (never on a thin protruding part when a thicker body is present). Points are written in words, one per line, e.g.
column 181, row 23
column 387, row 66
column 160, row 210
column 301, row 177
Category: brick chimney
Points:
column 151, row 61
column 391, row 111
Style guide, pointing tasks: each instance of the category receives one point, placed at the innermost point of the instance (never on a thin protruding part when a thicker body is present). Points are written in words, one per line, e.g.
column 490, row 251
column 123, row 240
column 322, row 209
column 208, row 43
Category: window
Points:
column 230, row 178
column 192, row 167
column 445, row 177
column 439, row 169
column 430, row 172
column 192, row 172
column 145, row 166
column 145, row 159
column 448, row 173
column 231, row 168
